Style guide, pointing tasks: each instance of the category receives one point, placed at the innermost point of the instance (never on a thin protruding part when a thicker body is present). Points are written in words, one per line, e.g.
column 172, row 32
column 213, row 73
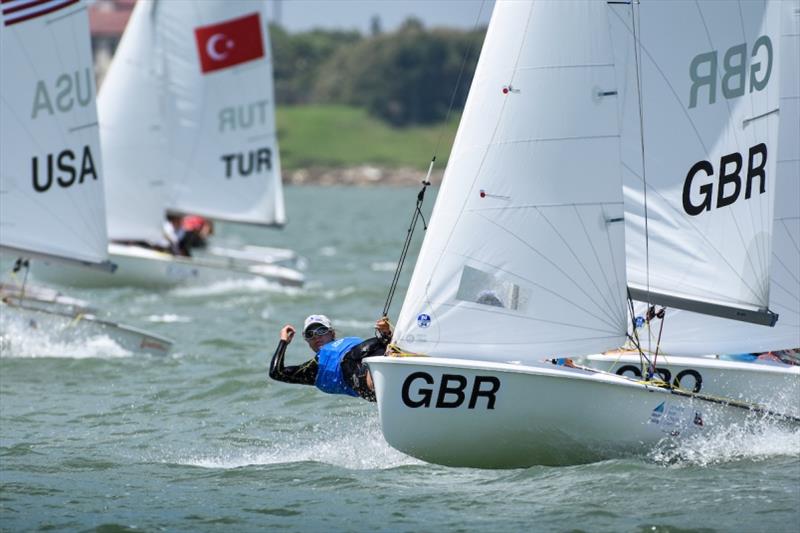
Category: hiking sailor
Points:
column 337, row 366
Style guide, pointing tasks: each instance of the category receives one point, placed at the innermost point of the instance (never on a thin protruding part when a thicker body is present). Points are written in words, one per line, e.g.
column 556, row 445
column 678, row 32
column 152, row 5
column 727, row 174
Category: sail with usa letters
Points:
column 52, row 205
column 524, row 259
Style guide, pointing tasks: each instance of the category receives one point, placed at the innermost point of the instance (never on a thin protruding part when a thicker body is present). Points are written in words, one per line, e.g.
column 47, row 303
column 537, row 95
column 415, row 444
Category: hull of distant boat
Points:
column 251, row 254
column 62, row 328
column 494, row 415
column 137, row 266
column 776, row 386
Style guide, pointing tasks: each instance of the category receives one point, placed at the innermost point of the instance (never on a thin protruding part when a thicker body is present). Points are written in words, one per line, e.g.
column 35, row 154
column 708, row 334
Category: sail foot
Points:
column 763, row 317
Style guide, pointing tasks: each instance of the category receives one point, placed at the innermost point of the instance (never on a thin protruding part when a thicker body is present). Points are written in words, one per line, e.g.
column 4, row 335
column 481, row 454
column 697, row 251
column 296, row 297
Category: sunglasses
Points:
column 317, row 332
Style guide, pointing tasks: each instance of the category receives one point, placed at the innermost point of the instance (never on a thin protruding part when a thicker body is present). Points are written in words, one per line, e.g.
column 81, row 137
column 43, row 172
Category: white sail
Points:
column 51, row 177
column 188, row 119
column 223, row 147
column 700, row 129
column 524, row 254
column 693, row 334
column 132, row 111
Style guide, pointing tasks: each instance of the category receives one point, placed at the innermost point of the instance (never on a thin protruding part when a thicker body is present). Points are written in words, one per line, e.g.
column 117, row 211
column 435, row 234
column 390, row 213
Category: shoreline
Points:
column 362, row 175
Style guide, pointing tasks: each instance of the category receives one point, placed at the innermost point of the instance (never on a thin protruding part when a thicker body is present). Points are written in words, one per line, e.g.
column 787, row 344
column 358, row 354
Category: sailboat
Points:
column 187, row 126
column 524, row 261
column 684, row 334
column 52, row 205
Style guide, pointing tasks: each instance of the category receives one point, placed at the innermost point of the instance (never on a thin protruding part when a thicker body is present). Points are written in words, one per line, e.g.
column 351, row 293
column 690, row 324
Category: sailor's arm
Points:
column 305, row 374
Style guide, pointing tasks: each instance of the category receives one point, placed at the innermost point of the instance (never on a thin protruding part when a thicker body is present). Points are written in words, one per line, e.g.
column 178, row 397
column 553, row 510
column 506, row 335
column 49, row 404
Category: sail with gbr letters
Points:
column 51, row 175
column 687, row 333
column 700, row 147
column 524, row 256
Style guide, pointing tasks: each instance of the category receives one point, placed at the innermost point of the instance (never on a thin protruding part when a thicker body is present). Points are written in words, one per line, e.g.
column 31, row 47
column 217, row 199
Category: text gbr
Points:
column 418, row 391
column 704, row 73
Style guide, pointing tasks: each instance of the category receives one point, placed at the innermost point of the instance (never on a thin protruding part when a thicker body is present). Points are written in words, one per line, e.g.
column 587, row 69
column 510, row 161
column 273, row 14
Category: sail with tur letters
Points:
column 524, row 255
column 51, row 175
column 699, row 113
column 193, row 87
column 224, row 159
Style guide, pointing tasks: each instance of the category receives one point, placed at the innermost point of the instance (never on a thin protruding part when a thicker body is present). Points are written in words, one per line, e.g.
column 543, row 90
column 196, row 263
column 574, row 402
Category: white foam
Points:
column 32, row 344
column 168, row 318
column 233, row 286
column 753, row 440
column 355, row 443
column 384, row 266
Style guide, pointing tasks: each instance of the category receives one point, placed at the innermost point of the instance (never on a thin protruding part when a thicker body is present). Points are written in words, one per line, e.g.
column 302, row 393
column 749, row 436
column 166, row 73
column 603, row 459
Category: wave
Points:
column 235, row 286
column 353, row 443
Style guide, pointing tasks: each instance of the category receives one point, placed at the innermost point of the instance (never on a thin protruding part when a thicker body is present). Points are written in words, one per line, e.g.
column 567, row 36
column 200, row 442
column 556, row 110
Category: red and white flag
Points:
column 229, row 43
column 15, row 11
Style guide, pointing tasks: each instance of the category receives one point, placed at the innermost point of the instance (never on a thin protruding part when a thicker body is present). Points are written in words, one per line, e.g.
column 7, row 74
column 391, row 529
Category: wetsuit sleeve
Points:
column 305, row 374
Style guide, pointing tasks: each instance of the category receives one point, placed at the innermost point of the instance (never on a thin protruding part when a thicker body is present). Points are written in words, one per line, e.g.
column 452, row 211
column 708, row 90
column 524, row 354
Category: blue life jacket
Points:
column 329, row 375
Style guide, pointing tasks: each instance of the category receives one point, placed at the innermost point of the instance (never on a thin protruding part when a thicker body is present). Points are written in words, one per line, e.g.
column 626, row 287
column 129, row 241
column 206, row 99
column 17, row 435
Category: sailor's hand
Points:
column 287, row 333
column 384, row 328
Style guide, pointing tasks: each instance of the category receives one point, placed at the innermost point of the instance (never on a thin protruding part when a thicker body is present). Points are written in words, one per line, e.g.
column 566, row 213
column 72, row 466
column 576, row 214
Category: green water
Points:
column 99, row 440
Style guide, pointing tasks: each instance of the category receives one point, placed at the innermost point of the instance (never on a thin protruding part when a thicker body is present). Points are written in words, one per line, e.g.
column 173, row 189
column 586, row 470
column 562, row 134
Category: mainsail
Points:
column 51, row 176
column 692, row 334
column 132, row 110
column 700, row 145
column 524, row 256
column 192, row 86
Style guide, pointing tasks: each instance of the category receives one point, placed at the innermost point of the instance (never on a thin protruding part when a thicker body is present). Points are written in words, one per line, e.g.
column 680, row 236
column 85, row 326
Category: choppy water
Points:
column 93, row 438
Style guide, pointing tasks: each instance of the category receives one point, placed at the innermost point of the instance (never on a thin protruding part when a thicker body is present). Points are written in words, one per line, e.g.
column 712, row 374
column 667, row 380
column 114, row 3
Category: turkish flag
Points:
column 229, row 43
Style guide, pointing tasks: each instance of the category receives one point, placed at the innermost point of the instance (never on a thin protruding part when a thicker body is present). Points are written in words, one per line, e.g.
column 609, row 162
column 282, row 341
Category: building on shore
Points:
column 107, row 20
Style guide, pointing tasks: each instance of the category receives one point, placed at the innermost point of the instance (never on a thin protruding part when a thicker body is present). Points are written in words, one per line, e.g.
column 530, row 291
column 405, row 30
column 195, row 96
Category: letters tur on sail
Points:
column 700, row 146
column 200, row 75
column 524, row 256
column 51, row 176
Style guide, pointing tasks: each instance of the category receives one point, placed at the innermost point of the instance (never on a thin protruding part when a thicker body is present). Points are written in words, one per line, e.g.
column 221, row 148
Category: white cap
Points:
column 317, row 319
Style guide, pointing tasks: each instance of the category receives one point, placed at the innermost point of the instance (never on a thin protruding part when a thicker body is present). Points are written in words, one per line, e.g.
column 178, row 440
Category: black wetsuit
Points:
column 353, row 369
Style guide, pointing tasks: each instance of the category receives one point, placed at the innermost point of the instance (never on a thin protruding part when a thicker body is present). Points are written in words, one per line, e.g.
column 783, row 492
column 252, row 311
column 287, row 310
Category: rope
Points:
column 409, row 235
column 427, row 180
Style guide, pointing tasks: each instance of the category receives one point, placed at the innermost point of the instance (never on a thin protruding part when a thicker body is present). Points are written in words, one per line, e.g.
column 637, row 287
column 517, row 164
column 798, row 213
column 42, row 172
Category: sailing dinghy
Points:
column 187, row 126
column 524, row 259
column 52, row 206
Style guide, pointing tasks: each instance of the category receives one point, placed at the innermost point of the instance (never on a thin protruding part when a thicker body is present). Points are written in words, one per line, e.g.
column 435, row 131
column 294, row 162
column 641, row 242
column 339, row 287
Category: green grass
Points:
column 340, row 136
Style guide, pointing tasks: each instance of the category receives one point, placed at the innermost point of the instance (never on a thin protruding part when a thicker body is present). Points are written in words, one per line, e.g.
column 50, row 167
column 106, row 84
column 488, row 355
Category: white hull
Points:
column 139, row 266
column 539, row 415
column 773, row 385
column 252, row 254
column 62, row 327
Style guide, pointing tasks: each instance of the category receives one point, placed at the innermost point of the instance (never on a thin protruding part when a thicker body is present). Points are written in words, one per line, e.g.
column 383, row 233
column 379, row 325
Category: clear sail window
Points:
column 483, row 288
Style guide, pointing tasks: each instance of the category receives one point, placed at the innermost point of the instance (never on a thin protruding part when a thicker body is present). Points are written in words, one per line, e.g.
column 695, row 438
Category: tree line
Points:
column 405, row 77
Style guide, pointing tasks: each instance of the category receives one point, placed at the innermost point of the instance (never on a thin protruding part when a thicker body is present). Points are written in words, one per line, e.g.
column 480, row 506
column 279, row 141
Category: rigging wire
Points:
column 426, row 182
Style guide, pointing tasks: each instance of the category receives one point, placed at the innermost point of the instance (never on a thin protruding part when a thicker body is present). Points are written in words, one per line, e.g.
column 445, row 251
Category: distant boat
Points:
column 685, row 334
column 524, row 258
column 52, row 205
column 187, row 126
